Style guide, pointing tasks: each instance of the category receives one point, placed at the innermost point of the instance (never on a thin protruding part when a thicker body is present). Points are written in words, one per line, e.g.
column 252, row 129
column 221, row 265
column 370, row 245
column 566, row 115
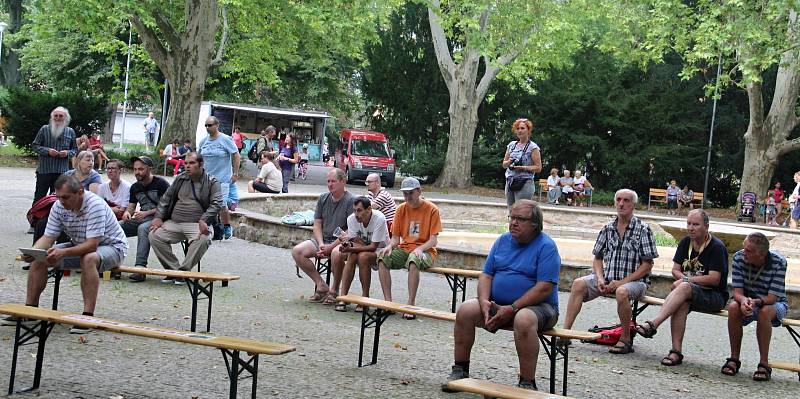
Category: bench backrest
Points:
column 178, row 273
column 398, row 308
column 148, row 331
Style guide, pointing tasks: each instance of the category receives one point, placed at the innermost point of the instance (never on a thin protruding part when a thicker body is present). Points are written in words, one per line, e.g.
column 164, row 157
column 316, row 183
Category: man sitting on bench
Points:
column 700, row 268
column 759, row 293
column 518, row 289
column 98, row 244
column 366, row 234
column 623, row 257
column 332, row 210
column 184, row 212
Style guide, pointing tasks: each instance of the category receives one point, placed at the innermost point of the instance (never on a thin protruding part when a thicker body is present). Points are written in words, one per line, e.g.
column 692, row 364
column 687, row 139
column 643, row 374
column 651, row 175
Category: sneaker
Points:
column 456, row 374
column 79, row 330
column 527, row 384
column 180, row 281
column 12, row 321
column 168, row 280
column 137, row 277
column 228, row 232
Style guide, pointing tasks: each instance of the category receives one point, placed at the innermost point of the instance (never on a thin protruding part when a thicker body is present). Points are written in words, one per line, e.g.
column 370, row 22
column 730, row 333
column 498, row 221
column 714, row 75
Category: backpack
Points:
column 253, row 153
column 41, row 209
column 610, row 335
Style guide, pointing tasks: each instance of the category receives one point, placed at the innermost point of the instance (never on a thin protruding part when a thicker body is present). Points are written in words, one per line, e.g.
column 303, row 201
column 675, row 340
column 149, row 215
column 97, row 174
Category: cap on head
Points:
column 409, row 183
column 305, row 145
column 143, row 159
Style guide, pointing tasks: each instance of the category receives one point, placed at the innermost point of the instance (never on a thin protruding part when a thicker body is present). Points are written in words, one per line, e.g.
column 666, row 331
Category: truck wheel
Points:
column 349, row 177
column 390, row 183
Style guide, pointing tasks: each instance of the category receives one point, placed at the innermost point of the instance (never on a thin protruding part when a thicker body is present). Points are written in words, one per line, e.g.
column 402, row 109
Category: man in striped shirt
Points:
column 98, row 243
column 759, row 293
column 55, row 144
column 381, row 199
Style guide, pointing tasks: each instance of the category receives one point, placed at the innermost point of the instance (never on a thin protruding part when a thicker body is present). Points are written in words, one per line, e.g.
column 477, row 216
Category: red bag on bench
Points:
column 610, row 335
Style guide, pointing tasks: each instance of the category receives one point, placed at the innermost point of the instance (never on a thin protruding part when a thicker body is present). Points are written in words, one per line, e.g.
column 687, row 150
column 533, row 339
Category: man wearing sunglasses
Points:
column 517, row 290
column 221, row 160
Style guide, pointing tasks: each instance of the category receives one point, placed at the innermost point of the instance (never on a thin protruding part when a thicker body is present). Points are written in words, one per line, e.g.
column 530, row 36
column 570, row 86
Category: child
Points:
column 772, row 210
column 303, row 161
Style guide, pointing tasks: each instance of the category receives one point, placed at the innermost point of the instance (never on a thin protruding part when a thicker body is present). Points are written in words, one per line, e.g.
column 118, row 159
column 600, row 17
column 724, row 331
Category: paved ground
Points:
column 269, row 304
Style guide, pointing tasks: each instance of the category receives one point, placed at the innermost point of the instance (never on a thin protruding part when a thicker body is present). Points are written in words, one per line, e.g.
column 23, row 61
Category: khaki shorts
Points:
column 399, row 259
column 110, row 258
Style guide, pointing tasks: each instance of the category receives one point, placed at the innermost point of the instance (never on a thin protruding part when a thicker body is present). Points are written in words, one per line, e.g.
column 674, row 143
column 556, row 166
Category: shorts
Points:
column 636, row 289
column 110, row 257
column 226, row 191
column 399, row 259
column 780, row 312
column 796, row 212
column 150, row 137
column 546, row 314
column 672, row 202
column 707, row 300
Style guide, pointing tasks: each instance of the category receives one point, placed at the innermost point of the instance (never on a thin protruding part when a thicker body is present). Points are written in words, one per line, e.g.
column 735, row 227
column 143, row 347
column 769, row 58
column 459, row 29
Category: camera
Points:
column 514, row 162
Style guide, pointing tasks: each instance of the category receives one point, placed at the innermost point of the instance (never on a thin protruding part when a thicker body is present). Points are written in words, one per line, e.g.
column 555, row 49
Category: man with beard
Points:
column 146, row 192
column 55, row 144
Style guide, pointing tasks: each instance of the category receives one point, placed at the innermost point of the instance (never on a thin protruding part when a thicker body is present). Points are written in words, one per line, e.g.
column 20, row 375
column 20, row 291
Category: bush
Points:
column 28, row 110
column 602, row 197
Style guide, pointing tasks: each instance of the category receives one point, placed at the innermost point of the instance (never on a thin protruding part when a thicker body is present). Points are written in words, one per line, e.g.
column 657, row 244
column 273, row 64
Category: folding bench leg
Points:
column 553, row 351
column 25, row 335
column 371, row 318
column 196, row 289
column 185, row 247
column 796, row 337
column 236, row 365
column 457, row 283
column 56, row 274
column 323, row 265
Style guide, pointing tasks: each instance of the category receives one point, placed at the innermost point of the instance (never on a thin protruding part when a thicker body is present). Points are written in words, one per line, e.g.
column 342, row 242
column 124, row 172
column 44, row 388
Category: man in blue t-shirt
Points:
column 518, row 290
column 222, row 161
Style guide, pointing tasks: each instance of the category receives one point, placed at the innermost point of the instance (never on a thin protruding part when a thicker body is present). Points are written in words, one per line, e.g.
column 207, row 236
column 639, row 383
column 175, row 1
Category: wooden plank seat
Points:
column 457, row 279
column 233, row 349
column 494, row 390
column 201, row 285
column 376, row 311
column 659, row 196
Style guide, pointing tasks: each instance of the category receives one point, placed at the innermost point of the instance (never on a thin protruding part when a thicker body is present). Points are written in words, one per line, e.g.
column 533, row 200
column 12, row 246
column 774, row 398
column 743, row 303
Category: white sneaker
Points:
column 79, row 330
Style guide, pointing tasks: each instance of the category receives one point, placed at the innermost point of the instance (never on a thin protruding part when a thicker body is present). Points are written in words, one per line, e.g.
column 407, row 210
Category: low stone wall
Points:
column 269, row 230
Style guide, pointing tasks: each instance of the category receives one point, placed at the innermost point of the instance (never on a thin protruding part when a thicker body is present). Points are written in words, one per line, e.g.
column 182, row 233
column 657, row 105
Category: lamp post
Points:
column 127, row 68
column 3, row 27
column 711, row 135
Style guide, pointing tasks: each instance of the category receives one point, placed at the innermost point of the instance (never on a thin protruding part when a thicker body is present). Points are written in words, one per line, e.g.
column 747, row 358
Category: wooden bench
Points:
column 201, row 285
column 232, row 348
column 659, row 196
column 494, row 390
column 457, row 279
column 376, row 311
column 543, row 191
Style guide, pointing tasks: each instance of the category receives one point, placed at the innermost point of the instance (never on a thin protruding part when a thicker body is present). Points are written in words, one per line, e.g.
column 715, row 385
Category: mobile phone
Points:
column 492, row 311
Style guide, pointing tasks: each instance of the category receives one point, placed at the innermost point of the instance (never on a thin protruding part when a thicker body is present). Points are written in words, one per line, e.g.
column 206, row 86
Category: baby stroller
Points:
column 748, row 207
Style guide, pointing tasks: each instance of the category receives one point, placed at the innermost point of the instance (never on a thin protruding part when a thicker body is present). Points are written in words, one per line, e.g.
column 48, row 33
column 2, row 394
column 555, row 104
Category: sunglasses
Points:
column 210, row 124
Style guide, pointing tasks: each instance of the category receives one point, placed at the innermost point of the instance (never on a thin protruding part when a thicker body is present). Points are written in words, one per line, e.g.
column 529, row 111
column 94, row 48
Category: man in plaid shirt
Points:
column 623, row 257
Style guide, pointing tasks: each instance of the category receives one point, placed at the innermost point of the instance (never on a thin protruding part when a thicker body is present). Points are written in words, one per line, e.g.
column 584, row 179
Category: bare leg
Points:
column 674, row 301
column 337, row 266
column 527, row 342
column 413, row 282
column 386, row 281
column 764, row 331
column 677, row 326
column 735, row 328
column 90, row 280
column 301, row 254
column 37, row 281
column 624, row 312
column 467, row 318
column 576, row 294
column 348, row 273
column 365, row 262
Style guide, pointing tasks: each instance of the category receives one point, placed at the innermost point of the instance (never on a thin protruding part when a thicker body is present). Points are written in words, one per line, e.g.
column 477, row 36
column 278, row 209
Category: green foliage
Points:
column 665, row 240
column 423, row 162
column 28, row 110
column 603, row 197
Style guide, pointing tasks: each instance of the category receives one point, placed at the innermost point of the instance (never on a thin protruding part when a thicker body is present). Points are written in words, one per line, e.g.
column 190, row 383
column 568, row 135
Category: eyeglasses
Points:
column 519, row 219
column 211, row 124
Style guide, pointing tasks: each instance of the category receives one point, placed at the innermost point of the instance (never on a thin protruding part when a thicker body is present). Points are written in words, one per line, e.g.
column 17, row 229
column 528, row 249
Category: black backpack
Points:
column 253, row 153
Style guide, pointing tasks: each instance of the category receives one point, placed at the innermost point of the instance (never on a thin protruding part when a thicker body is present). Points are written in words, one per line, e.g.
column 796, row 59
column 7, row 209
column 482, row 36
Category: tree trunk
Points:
column 457, row 171
column 11, row 65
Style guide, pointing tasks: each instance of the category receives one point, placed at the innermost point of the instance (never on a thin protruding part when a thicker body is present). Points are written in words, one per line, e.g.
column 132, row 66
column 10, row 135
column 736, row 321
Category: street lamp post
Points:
column 711, row 135
column 127, row 68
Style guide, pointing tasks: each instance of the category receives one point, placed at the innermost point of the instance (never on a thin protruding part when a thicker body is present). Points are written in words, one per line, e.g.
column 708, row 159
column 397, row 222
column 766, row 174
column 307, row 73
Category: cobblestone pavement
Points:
column 269, row 303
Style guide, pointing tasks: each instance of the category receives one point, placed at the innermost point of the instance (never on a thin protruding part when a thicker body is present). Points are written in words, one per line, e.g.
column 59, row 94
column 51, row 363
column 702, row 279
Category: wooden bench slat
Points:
column 398, row 308
column 786, row 366
column 177, row 273
column 571, row 334
column 791, row 322
column 147, row 331
column 458, row 272
column 495, row 390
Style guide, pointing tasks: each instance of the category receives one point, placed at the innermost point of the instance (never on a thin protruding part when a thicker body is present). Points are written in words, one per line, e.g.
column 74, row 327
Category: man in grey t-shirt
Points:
column 332, row 210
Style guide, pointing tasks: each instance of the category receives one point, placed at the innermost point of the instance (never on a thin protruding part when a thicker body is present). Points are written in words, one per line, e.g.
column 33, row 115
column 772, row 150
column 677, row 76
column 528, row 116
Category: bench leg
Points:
column 56, row 274
column 553, row 351
column 24, row 335
column 796, row 337
column 196, row 289
column 457, row 284
column 236, row 366
column 370, row 318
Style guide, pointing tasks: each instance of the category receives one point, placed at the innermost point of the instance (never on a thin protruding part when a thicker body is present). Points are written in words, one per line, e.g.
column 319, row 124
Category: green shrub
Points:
column 603, row 198
column 665, row 240
column 28, row 110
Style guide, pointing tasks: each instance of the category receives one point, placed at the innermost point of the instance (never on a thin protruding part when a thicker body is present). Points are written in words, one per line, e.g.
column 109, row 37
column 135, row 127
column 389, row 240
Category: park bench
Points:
column 788, row 323
column 659, row 196
column 376, row 311
column 201, row 285
column 232, row 349
column 543, row 191
column 494, row 390
column 457, row 278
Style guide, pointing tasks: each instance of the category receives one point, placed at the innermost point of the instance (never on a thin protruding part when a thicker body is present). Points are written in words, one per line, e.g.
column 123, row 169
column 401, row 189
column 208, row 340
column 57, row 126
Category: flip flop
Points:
column 409, row 316
column 359, row 309
column 340, row 307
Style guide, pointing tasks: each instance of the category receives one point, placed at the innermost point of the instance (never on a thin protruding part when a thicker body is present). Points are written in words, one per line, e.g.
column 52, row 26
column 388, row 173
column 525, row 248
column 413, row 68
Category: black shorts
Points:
column 707, row 300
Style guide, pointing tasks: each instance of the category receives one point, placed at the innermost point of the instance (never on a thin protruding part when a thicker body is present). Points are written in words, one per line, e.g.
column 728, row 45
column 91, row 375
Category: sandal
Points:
column 647, row 329
column 340, row 307
column 727, row 369
column 330, row 299
column 627, row 347
column 409, row 316
column 318, row 296
column 359, row 309
column 670, row 361
column 763, row 375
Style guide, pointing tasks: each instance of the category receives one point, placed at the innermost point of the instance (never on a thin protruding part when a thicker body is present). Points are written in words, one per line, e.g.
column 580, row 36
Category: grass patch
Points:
column 495, row 229
column 665, row 240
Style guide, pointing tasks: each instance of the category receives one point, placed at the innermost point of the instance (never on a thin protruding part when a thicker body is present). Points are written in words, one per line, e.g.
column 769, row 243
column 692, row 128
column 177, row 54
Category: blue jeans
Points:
column 286, row 174
column 140, row 229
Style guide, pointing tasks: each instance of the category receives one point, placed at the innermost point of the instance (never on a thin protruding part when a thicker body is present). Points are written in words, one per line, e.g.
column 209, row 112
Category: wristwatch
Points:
column 514, row 307
column 685, row 279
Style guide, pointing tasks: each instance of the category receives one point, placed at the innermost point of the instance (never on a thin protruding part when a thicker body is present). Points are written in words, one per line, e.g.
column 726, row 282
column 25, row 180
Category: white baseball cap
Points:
column 409, row 183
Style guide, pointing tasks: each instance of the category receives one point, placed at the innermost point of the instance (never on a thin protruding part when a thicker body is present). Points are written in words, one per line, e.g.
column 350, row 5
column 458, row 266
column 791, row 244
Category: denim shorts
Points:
column 780, row 312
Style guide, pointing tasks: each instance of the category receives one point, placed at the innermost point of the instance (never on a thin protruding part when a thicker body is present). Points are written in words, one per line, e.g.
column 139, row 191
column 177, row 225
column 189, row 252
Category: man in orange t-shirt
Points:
column 415, row 230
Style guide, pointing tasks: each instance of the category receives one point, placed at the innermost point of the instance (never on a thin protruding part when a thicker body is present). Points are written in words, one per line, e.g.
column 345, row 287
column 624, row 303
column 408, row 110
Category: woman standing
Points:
column 521, row 161
column 287, row 159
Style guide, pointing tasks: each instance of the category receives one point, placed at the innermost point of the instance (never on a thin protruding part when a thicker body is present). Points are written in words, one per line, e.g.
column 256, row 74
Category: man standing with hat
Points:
column 415, row 230
column 146, row 193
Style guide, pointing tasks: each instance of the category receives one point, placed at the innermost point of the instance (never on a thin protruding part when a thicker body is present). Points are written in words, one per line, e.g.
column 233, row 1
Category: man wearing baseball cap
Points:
column 414, row 236
column 146, row 193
